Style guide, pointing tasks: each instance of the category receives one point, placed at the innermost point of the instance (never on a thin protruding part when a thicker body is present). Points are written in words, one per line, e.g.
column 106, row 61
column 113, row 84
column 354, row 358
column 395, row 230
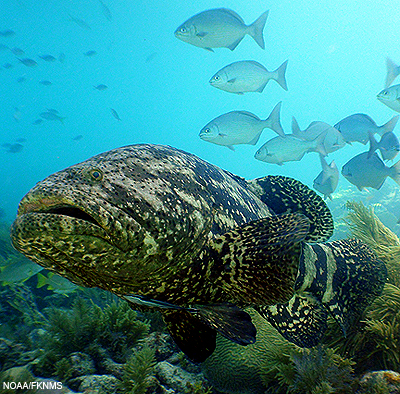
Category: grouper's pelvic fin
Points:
column 229, row 320
column 194, row 329
column 340, row 279
column 287, row 195
column 258, row 262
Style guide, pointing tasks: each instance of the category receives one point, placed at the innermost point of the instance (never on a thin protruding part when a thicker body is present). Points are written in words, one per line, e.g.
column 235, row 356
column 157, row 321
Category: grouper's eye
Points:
column 96, row 174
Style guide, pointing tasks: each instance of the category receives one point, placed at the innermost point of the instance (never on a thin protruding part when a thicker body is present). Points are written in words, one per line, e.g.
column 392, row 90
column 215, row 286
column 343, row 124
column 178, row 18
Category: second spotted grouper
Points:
column 166, row 230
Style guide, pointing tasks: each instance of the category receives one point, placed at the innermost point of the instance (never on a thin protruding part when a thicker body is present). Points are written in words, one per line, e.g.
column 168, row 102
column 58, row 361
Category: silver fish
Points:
column 115, row 114
column 328, row 179
column 355, row 128
column 106, row 11
column 240, row 127
column 52, row 116
column 333, row 138
column 101, row 87
column 247, row 76
column 27, row 62
column 48, row 58
column 364, row 172
column 390, row 97
column 389, row 145
column 80, row 22
column 220, row 28
column 280, row 149
column 393, row 70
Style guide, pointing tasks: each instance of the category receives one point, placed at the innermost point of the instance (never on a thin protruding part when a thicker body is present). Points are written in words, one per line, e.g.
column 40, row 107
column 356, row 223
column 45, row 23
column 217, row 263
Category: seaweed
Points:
column 138, row 372
column 317, row 371
column 86, row 328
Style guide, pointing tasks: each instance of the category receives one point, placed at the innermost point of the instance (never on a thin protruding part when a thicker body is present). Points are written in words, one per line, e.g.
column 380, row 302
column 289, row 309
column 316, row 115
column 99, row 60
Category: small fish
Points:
column 240, row 127
column 90, row 53
column 18, row 271
column 21, row 79
column 389, row 145
column 13, row 148
column 364, row 172
column 78, row 137
column 393, row 70
column 17, row 115
column 280, row 149
column 48, row 58
column 61, row 57
column 17, row 51
column 101, row 87
column 355, row 128
column 7, row 33
column 49, row 115
column 37, row 122
column 328, row 179
column 56, row 283
column 115, row 114
column 80, row 22
column 390, row 97
column 247, row 76
column 218, row 28
column 333, row 138
column 27, row 62
column 52, row 110
column 45, row 82
column 7, row 66
column 106, row 11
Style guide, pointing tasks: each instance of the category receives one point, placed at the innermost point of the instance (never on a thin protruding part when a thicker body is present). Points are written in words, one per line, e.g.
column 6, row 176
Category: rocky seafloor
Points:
column 92, row 342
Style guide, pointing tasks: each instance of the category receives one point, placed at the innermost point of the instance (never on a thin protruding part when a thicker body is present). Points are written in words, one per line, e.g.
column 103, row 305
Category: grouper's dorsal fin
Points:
column 301, row 321
column 257, row 263
column 195, row 338
column 285, row 195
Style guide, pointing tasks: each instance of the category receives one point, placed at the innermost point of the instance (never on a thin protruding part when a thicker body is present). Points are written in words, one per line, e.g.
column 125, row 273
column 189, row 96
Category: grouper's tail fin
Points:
column 340, row 278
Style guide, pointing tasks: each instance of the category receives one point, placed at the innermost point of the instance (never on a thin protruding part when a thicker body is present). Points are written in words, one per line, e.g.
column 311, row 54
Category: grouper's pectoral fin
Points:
column 195, row 338
column 229, row 320
column 301, row 321
column 257, row 263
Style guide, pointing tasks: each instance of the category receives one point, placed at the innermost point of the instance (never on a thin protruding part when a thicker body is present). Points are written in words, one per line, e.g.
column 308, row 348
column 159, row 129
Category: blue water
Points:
column 159, row 85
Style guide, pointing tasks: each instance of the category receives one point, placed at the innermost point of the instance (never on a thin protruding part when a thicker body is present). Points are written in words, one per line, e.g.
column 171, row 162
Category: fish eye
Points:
column 216, row 77
column 207, row 130
column 96, row 174
column 182, row 29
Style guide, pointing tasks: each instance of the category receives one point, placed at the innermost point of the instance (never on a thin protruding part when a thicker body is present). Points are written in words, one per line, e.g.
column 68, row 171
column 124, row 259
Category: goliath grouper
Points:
column 163, row 229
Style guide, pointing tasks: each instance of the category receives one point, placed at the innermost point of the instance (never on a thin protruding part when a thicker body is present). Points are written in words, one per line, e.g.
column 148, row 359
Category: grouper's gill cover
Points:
column 160, row 227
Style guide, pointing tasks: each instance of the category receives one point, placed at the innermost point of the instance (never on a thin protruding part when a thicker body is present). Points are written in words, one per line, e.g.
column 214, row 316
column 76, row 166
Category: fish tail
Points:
column 273, row 121
column 256, row 29
column 388, row 126
column 393, row 70
column 279, row 75
column 295, row 127
column 373, row 144
column 395, row 172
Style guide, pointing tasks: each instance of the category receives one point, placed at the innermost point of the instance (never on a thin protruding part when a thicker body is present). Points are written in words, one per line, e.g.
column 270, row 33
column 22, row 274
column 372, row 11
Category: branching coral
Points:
column 138, row 371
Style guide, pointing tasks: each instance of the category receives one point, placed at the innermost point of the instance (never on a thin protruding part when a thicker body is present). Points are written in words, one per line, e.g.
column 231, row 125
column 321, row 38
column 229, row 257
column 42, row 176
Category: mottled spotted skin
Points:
column 157, row 207
column 157, row 222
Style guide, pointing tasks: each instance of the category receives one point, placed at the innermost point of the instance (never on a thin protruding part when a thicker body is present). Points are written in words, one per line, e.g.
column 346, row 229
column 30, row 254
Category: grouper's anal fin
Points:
column 257, row 263
column 195, row 338
column 302, row 320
